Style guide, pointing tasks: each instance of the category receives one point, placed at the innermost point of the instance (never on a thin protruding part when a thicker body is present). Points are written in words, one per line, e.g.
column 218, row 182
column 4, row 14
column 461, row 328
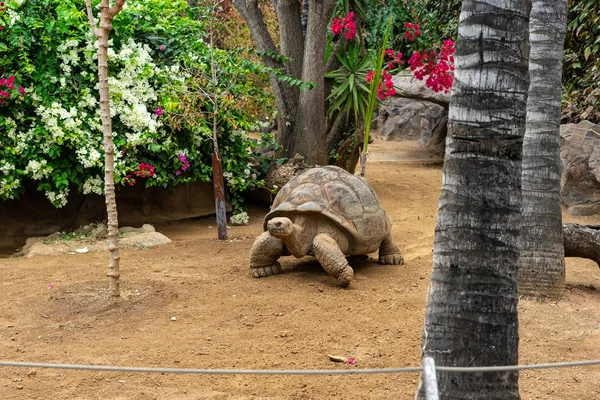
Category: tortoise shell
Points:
column 346, row 199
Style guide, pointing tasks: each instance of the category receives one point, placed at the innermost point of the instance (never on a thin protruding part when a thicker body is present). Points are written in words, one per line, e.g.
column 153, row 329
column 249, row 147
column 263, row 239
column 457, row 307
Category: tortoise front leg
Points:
column 329, row 255
column 264, row 254
column 389, row 253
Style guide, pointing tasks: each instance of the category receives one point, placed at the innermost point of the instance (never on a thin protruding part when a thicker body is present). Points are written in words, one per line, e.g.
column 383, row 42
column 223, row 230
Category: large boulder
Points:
column 580, row 178
column 415, row 113
column 410, row 87
column 413, row 119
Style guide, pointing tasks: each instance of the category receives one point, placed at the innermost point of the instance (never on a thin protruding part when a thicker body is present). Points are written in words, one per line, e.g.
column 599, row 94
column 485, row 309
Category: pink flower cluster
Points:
column 435, row 64
column 412, row 31
column 144, row 171
column 185, row 166
column 386, row 82
column 9, row 84
column 159, row 111
column 395, row 59
column 347, row 24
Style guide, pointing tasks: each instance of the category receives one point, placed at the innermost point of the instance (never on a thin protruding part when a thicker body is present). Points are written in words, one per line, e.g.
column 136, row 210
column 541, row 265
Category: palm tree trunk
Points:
column 471, row 316
column 542, row 269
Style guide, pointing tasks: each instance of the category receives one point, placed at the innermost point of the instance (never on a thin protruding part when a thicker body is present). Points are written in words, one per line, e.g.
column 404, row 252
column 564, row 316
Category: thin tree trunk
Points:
column 542, row 269
column 217, row 164
column 107, row 15
column 471, row 316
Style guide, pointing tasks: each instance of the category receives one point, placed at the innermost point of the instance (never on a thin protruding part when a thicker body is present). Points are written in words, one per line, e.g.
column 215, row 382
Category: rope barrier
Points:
column 295, row 372
column 213, row 371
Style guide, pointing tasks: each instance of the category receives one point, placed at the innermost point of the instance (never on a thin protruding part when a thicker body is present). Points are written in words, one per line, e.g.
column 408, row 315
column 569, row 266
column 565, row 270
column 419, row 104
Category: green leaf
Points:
column 154, row 147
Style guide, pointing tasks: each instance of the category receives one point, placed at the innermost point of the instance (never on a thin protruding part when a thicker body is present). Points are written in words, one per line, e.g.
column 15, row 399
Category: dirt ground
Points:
column 193, row 304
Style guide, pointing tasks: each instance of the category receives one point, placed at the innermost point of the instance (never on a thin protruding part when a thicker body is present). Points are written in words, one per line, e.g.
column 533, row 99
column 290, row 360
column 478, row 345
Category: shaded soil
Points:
column 55, row 309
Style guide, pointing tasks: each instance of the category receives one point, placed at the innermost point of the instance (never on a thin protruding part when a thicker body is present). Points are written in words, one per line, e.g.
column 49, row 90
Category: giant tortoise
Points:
column 327, row 213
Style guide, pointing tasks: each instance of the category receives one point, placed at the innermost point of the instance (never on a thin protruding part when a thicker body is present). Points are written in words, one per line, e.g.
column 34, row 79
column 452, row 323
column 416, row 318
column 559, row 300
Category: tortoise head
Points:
column 280, row 227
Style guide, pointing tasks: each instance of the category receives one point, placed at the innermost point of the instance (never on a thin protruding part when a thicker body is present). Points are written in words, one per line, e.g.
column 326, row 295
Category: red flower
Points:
column 435, row 64
column 412, row 31
column 347, row 24
column 337, row 26
column 144, row 171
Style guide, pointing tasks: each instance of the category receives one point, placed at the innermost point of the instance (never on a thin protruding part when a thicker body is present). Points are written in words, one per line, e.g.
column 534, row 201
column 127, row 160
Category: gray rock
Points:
column 412, row 119
column 143, row 229
column 580, row 158
column 279, row 175
column 409, row 86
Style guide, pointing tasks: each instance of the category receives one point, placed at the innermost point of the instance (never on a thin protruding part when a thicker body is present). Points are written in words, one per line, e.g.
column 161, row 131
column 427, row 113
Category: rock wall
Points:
column 580, row 177
column 33, row 215
column 415, row 113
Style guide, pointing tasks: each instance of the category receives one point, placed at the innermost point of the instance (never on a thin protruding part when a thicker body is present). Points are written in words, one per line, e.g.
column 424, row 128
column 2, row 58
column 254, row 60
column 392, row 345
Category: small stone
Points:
column 173, row 318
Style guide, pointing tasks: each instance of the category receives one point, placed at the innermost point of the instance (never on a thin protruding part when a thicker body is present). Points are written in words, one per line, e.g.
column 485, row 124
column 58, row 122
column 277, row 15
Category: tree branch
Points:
column 90, row 14
column 582, row 241
column 255, row 20
column 114, row 10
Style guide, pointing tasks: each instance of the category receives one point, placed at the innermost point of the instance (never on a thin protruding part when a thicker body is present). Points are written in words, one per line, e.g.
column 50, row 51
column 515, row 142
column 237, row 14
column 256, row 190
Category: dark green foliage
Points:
column 581, row 71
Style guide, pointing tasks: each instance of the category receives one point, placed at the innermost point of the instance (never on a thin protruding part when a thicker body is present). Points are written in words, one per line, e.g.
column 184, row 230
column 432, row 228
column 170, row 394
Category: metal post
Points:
column 430, row 379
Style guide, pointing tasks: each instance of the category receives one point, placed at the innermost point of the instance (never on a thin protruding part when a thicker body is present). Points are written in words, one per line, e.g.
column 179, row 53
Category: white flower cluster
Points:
column 68, row 53
column 8, row 187
column 38, row 169
column 228, row 175
column 93, row 184
column 89, row 157
column 13, row 15
column 58, row 199
column 130, row 90
column 12, row 127
column 59, row 122
column 239, row 219
column 6, row 167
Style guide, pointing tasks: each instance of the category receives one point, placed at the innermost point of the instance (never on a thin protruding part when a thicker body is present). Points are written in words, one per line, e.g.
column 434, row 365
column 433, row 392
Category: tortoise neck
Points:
column 300, row 241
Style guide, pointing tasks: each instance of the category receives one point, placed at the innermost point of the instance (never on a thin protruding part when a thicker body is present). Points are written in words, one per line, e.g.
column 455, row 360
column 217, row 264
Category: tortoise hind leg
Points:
column 389, row 253
column 331, row 258
column 264, row 254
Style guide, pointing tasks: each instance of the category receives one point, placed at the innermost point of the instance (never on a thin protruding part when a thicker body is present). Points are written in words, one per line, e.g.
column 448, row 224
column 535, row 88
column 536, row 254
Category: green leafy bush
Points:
column 50, row 124
column 581, row 70
column 438, row 20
